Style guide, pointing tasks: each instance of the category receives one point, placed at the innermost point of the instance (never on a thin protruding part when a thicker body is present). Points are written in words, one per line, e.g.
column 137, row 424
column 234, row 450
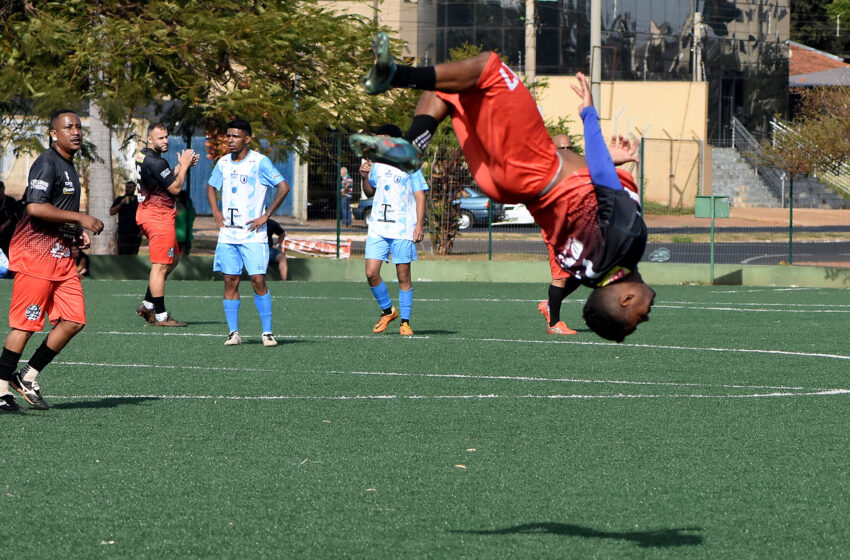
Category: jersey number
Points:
column 511, row 79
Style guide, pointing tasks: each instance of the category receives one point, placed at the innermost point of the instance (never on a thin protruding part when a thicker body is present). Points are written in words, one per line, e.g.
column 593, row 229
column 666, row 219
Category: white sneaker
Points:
column 233, row 339
column 268, row 340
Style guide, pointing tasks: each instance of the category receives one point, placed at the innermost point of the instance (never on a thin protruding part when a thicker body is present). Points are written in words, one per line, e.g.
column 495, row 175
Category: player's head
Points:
column 66, row 131
column 129, row 188
column 158, row 138
column 238, row 136
column 390, row 130
column 343, row 171
column 614, row 311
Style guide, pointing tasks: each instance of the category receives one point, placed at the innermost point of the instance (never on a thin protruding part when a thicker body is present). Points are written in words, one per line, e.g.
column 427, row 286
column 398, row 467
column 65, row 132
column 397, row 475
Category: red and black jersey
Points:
column 38, row 247
column 155, row 176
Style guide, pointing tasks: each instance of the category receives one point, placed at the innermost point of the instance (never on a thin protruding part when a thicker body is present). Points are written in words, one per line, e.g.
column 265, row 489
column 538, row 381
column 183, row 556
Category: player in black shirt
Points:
column 129, row 234
column 46, row 281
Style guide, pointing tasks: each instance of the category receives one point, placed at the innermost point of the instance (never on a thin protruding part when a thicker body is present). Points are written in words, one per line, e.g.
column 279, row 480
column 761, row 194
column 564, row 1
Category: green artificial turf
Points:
column 718, row 430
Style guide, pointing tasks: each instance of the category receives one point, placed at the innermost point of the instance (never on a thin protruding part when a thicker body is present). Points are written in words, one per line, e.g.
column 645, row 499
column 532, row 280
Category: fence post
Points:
column 642, row 160
column 490, row 231
column 791, row 220
column 338, row 189
column 733, row 132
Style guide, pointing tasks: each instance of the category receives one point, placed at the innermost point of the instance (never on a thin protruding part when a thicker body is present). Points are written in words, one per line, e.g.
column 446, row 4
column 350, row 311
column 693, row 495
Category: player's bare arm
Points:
column 365, row 169
column 279, row 196
column 217, row 215
column 418, row 234
column 49, row 213
column 185, row 160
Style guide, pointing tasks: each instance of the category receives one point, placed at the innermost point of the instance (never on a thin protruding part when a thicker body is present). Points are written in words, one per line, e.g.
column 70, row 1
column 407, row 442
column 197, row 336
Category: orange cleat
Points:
column 559, row 328
column 405, row 329
column 543, row 307
column 384, row 321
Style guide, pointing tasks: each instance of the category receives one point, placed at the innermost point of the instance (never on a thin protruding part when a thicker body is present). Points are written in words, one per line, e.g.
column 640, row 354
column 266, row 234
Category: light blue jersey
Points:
column 393, row 213
column 243, row 186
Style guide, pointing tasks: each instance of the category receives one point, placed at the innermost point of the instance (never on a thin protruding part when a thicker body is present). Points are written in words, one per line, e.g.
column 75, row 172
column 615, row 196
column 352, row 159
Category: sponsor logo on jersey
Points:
column 165, row 173
column 33, row 312
column 69, row 186
column 140, row 157
column 39, row 185
column 243, row 179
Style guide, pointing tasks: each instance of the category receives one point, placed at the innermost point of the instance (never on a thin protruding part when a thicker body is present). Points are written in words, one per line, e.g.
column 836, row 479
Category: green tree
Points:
column 813, row 23
column 289, row 66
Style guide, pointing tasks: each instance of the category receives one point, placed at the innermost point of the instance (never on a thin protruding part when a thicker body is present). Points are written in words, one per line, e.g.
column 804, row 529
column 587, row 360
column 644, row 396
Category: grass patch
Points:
column 717, row 431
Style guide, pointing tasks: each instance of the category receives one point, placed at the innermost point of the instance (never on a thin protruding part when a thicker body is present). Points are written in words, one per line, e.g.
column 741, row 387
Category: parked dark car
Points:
column 473, row 209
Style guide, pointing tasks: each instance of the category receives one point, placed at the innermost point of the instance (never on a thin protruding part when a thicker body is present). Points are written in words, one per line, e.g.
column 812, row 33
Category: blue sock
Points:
column 231, row 312
column 264, row 308
column 381, row 294
column 405, row 303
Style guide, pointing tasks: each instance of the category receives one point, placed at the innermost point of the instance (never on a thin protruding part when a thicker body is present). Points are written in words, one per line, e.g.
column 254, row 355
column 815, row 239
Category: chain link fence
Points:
column 671, row 175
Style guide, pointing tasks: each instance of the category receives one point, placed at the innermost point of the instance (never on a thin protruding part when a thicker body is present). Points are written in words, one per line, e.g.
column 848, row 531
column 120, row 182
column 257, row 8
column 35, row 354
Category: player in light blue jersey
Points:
column 242, row 177
column 395, row 226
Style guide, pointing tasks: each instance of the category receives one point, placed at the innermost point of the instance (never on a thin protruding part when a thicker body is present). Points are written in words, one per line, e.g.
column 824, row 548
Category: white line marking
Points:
column 714, row 308
column 829, row 392
column 758, row 257
column 567, row 380
column 446, row 376
column 281, row 337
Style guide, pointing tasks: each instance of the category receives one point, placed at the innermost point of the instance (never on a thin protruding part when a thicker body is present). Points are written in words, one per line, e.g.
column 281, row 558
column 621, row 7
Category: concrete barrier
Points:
column 351, row 270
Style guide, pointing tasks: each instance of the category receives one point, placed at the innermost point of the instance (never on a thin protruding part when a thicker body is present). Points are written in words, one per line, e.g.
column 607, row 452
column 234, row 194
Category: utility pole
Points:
column 530, row 44
column 698, row 47
column 596, row 51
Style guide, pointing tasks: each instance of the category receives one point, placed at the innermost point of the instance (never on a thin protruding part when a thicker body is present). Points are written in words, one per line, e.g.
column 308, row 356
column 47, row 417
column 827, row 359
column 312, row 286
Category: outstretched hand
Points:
column 583, row 91
column 623, row 150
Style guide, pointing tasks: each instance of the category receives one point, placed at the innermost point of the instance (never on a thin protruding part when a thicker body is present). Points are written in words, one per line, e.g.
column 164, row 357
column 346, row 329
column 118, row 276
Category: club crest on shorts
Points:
column 33, row 312
column 171, row 252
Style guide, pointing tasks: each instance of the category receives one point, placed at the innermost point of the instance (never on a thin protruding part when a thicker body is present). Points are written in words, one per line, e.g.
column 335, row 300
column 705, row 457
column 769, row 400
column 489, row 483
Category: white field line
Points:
column 452, row 376
column 775, row 391
column 281, row 337
column 691, row 307
column 829, row 392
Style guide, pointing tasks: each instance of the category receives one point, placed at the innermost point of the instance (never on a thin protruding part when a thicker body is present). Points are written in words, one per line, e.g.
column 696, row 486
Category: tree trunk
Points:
column 101, row 190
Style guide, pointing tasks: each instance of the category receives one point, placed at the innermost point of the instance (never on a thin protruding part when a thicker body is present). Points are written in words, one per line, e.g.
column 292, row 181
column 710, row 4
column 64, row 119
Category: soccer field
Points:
column 718, row 430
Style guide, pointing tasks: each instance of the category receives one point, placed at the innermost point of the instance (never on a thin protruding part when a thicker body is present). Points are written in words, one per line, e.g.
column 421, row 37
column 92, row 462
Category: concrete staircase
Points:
column 733, row 177
column 809, row 192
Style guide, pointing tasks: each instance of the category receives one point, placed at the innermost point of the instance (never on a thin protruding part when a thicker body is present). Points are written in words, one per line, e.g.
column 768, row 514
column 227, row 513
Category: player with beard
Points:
column 158, row 190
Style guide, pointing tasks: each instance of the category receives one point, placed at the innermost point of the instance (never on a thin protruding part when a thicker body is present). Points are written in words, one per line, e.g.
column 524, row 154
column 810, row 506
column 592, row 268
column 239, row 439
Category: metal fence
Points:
column 671, row 175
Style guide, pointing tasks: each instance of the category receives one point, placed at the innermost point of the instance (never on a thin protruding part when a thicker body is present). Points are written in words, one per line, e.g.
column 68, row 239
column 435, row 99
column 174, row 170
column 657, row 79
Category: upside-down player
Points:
column 591, row 223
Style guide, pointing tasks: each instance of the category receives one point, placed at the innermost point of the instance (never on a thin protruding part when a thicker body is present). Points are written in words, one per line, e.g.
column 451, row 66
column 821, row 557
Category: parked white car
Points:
column 517, row 214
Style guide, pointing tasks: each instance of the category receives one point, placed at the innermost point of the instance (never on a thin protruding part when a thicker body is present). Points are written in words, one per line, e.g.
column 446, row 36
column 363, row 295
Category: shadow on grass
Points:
column 105, row 402
column 644, row 539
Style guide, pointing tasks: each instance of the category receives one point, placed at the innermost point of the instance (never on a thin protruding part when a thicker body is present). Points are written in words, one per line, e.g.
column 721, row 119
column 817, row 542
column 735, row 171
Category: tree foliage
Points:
column 819, row 137
column 813, row 23
column 290, row 67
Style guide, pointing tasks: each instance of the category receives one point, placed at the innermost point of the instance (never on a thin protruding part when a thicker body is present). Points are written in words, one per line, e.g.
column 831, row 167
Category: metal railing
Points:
column 750, row 149
column 836, row 175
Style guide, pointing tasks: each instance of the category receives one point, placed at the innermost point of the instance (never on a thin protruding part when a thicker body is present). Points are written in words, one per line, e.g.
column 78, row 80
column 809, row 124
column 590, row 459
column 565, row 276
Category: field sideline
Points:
column 719, row 430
